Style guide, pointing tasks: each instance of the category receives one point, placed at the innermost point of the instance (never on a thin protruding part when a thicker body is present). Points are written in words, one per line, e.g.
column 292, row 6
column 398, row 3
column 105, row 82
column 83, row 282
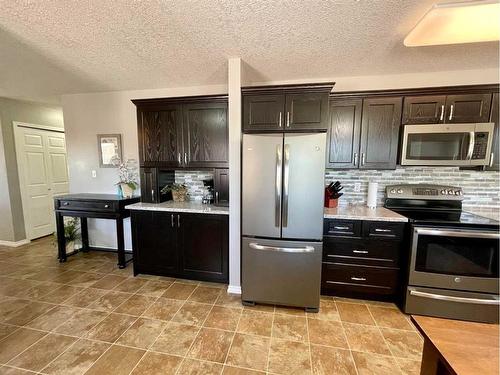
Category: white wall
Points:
column 401, row 81
column 85, row 116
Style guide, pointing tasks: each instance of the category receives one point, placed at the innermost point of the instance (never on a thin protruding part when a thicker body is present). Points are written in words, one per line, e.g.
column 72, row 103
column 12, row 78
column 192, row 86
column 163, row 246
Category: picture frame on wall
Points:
column 109, row 148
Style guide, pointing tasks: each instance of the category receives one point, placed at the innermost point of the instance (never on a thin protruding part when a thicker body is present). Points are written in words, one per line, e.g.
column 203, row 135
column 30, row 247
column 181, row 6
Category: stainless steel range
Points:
column 454, row 255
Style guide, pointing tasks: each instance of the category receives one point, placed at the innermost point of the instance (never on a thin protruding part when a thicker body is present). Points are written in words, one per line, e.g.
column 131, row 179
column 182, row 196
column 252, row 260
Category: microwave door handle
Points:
column 472, row 140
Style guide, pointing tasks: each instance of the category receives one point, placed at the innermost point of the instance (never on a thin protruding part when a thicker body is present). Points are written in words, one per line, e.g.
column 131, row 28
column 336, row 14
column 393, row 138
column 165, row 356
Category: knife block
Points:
column 330, row 202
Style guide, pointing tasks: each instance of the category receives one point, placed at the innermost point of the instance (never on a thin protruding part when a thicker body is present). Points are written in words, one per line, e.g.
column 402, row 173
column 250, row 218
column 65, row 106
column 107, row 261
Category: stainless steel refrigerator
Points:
column 282, row 218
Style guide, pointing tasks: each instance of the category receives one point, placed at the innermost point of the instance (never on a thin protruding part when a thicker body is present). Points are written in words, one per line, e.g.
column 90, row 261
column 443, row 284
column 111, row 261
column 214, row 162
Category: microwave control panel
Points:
column 480, row 145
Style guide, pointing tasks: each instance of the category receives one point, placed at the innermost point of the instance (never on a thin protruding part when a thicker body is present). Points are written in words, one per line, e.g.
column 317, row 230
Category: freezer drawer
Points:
column 281, row 272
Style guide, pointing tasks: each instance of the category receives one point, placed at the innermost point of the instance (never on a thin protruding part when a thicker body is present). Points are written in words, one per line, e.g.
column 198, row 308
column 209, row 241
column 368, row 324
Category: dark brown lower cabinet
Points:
column 363, row 262
column 185, row 245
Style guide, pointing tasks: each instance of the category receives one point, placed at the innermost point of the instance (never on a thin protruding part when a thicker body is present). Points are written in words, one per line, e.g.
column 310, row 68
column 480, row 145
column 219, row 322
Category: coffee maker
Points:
column 208, row 197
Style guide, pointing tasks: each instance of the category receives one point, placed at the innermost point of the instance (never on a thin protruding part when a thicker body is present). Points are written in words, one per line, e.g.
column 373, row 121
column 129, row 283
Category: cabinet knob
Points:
column 106, row 206
column 65, row 203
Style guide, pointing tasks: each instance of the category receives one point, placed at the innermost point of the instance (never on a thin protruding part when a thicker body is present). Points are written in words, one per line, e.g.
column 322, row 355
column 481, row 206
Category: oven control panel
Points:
column 424, row 191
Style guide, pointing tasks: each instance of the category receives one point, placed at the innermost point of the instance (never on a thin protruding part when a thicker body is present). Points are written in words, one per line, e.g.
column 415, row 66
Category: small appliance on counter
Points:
column 454, row 255
column 332, row 194
column 208, row 197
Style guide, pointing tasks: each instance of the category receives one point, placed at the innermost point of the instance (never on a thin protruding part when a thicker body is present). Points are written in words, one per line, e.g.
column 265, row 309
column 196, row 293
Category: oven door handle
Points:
column 456, row 233
column 474, row 301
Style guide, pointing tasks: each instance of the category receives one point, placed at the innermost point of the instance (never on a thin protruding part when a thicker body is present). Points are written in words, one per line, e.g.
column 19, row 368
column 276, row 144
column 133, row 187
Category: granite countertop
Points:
column 171, row 206
column 359, row 212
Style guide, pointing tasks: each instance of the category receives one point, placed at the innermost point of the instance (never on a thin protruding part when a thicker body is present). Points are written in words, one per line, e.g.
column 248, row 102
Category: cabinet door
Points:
column 154, row 242
column 203, row 244
column 307, row 111
column 380, row 132
column 343, row 134
column 468, row 108
column 205, row 135
column 424, row 109
column 149, row 185
column 221, row 186
column 495, row 147
column 160, row 136
column 263, row 112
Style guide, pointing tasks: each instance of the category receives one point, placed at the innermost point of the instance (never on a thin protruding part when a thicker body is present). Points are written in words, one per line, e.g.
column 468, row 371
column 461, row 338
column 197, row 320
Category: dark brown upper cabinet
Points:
column 160, row 135
column 495, row 147
column 306, row 111
column 189, row 132
column 344, row 132
column 263, row 112
column 221, row 186
column 205, row 135
column 286, row 108
column 457, row 108
column 149, row 185
column 380, row 124
column 468, row 108
column 424, row 109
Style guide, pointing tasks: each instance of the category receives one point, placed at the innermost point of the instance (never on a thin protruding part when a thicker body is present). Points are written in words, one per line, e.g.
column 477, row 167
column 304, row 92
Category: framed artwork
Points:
column 110, row 147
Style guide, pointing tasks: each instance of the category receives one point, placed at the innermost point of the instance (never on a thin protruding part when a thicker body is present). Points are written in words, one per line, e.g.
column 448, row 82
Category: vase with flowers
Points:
column 127, row 176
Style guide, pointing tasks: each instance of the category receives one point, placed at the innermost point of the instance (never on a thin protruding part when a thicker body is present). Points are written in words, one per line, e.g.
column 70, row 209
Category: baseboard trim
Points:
column 234, row 289
column 14, row 243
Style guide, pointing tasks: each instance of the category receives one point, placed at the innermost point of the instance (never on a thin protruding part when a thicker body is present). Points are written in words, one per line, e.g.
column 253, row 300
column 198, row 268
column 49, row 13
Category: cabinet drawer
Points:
column 365, row 279
column 383, row 229
column 334, row 227
column 86, row 205
column 381, row 252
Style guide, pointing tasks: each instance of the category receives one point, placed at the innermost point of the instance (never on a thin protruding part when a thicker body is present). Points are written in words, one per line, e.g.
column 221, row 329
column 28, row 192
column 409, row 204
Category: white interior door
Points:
column 43, row 173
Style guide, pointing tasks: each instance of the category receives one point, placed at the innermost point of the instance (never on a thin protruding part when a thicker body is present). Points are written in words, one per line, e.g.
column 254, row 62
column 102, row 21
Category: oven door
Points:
column 448, row 144
column 456, row 259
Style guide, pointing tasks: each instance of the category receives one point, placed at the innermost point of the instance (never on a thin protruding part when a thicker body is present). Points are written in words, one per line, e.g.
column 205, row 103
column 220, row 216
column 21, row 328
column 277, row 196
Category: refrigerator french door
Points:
column 282, row 216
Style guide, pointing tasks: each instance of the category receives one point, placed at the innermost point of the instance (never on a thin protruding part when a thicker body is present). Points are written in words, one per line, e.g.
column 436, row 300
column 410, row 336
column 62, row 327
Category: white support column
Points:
column 234, row 94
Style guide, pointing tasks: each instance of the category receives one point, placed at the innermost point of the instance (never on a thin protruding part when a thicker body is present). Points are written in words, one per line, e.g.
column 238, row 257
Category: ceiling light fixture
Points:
column 458, row 22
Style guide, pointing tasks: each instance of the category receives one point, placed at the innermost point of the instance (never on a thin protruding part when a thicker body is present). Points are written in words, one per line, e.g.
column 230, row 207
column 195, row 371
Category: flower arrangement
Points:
column 127, row 176
column 179, row 192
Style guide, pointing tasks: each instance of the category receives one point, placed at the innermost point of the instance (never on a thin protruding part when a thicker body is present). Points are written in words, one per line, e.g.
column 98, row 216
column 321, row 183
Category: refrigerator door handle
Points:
column 286, row 179
column 305, row 249
column 277, row 194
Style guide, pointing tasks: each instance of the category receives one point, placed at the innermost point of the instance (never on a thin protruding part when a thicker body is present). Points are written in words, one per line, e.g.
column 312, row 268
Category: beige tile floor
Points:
column 87, row 316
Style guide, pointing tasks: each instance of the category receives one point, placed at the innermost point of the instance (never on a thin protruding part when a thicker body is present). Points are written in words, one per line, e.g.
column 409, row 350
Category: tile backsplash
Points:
column 194, row 182
column 481, row 188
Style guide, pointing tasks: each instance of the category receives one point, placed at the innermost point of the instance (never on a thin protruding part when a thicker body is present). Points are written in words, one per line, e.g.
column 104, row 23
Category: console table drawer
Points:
column 73, row 205
column 366, row 279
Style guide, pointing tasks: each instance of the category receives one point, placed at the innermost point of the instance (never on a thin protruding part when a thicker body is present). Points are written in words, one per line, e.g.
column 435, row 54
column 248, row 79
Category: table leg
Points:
column 430, row 359
column 85, row 234
column 61, row 240
column 121, row 244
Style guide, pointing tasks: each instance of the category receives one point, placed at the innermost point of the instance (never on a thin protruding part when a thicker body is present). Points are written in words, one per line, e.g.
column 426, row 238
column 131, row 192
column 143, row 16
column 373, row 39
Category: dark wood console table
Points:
column 97, row 206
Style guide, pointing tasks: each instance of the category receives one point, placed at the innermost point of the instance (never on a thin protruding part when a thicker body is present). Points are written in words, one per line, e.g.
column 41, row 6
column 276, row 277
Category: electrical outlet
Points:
column 357, row 187
column 94, row 173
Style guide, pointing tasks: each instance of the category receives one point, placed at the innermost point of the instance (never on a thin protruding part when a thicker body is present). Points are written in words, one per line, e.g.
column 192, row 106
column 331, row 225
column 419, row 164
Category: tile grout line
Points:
column 270, row 341
column 385, row 341
column 232, row 340
column 197, row 333
column 346, row 339
column 142, row 314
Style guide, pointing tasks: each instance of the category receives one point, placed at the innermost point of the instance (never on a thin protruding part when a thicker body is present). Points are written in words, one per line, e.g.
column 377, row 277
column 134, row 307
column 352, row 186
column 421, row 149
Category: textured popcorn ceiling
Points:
column 51, row 47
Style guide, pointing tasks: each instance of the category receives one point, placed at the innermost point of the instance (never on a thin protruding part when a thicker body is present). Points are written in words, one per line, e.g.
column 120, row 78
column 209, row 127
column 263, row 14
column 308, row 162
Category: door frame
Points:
column 17, row 125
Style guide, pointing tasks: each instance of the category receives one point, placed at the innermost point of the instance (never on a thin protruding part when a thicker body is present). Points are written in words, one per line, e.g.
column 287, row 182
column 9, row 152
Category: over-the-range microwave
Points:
column 447, row 144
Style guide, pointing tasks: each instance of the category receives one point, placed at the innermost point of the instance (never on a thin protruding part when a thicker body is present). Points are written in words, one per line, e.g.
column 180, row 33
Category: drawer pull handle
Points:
column 65, row 203
column 341, row 228
column 106, row 206
column 358, row 278
column 382, row 230
column 360, row 252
